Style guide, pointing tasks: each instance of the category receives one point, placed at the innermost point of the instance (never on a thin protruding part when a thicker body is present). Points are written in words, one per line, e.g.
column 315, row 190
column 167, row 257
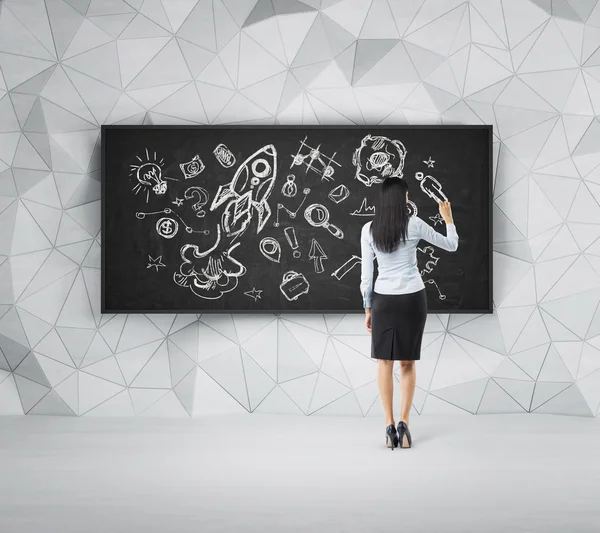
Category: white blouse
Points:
column 398, row 272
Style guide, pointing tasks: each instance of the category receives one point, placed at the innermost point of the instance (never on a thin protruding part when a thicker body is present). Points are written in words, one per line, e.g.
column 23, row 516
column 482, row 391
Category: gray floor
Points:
column 256, row 473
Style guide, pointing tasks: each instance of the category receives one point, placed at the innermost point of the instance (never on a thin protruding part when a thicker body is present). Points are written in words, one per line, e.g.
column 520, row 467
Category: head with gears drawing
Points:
column 378, row 158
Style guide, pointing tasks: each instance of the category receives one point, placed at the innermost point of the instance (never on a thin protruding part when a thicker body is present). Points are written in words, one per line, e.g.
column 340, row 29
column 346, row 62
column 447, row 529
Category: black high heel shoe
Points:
column 391, row 437
column 404, row 432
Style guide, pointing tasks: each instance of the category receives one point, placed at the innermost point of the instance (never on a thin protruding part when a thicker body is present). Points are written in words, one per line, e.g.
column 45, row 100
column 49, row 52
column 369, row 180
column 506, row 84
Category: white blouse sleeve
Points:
column 366, row 266
column 448, row 242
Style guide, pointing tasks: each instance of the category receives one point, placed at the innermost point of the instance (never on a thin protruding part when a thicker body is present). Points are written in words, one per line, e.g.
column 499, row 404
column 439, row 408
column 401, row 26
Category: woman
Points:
column 396, row 308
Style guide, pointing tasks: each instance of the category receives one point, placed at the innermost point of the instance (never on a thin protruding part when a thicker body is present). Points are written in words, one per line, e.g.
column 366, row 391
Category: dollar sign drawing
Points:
column 167, row 227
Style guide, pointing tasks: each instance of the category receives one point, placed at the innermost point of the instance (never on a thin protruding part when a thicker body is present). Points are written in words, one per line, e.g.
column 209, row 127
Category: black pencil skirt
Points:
column 397, row 325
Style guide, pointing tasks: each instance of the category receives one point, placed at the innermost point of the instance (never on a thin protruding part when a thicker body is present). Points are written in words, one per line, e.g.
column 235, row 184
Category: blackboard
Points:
column 268, row 219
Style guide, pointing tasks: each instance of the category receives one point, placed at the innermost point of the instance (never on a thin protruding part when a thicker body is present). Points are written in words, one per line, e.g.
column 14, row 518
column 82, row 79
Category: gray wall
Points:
column 68, row 66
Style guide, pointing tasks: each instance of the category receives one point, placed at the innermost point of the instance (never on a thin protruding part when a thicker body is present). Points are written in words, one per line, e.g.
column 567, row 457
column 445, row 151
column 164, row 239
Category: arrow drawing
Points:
column 317, row 254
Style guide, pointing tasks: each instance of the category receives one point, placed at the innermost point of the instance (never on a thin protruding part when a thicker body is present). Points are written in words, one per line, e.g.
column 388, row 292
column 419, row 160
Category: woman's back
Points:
column 398, row 271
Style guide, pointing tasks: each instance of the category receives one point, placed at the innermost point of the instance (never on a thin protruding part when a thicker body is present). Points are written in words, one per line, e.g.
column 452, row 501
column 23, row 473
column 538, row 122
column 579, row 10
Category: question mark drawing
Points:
column 202, row 196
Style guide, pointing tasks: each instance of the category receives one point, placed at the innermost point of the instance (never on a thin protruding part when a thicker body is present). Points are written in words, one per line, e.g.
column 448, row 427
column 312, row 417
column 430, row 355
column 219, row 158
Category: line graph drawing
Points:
column 167, row 227
column 168, row 211
column 364, row 210
column 248, row 192
column 254, row 293
column 293, row 285
column 290, row 235
column 317, row 215
column 289, row 188
column 210, row 273
column 317, row 255
column 431, row 187
column 315, row 160
column 339, row 194
column 346, row 267
column 149, row 176
column 202, row 196
column 224, row 156
column 271, row 249
column 192, row 168
column 291, row 214
column 432, row 282
column 377, row 158
column 155, row 262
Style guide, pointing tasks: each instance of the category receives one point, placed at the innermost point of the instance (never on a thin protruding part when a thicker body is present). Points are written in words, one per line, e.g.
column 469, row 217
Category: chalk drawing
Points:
column 255, row 294
column 291, row 214
column 315, row 161
column 248, row 192
column 339, row 194
column 209, row 273
column 192, row 168
column 364, row 210
column 149, row 176
column 224, row 156
column 271, row 249
column 155, row 262
column 290, row 235
column 293, row 285
column 199, row 194
column 431, row 187
column 317, row 255
column 378, row 158
column 346, row 267
column 317, row 215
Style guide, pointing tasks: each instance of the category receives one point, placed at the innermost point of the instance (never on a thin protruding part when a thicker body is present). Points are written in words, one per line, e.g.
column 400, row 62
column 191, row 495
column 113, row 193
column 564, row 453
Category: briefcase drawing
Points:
column 294, row 285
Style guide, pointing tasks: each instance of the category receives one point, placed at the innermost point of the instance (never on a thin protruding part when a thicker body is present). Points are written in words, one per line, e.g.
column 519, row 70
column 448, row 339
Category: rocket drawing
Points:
column 248, row 192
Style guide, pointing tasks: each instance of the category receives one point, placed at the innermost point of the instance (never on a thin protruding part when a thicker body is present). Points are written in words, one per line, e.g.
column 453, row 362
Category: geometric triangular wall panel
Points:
column 531, row 68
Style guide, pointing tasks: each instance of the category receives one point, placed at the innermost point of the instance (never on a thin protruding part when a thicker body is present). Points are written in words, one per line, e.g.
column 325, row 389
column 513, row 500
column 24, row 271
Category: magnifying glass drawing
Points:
column 317, row 215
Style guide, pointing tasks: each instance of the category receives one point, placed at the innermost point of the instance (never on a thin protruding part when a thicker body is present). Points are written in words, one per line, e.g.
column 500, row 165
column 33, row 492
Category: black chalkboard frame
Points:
column 112, row 127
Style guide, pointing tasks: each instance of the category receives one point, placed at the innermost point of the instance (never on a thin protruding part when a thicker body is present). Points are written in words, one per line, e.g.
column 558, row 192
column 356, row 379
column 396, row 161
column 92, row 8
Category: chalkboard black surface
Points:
column 268, row 219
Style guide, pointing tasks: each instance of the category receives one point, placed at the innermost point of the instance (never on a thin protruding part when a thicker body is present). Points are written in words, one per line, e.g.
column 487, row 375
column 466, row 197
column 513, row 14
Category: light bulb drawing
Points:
column 149, row 176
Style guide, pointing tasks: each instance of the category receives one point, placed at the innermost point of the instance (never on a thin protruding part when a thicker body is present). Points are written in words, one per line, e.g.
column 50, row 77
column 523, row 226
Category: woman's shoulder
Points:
column 415, row 226
column 366, row 229
column 415, row 222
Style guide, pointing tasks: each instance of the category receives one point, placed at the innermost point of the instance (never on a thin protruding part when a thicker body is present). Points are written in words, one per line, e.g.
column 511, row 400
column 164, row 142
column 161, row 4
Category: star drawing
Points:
column 436, row 219
column 157, row 263
column 253, row 293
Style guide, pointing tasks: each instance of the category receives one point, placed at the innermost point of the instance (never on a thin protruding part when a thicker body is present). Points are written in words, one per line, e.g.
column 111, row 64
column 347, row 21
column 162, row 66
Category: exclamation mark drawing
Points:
column 290, row 235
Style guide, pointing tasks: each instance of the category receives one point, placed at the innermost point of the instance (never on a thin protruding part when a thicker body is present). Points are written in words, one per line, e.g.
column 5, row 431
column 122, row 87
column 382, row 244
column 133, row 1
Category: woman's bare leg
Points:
column 408, row 380
column 385, row 382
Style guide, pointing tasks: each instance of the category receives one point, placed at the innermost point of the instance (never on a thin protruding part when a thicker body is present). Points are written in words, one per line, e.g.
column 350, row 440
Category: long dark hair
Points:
column 390, row 225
